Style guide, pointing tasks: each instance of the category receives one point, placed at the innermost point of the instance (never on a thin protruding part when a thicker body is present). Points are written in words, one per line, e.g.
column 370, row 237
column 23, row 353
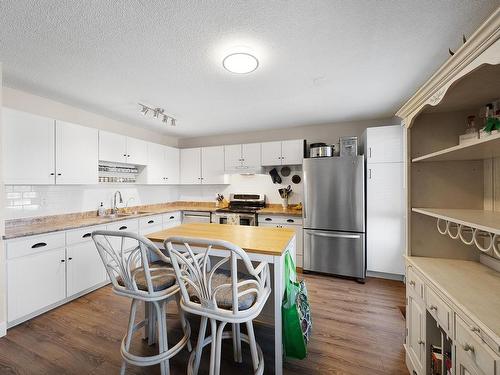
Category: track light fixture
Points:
column 157, row 113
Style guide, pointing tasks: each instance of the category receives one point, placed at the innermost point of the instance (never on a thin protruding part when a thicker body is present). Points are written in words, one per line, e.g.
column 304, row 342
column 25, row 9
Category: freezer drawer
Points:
column 338, row 253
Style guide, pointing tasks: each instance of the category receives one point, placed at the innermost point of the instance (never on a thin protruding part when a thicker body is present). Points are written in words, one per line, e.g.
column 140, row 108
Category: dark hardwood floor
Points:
column 357, row 329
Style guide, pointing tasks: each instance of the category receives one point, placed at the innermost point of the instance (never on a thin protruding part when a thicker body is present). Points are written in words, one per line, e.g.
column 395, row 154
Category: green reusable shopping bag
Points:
column 295, row 313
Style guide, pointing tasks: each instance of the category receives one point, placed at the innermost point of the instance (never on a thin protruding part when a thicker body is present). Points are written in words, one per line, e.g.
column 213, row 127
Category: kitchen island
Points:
column 261, row 244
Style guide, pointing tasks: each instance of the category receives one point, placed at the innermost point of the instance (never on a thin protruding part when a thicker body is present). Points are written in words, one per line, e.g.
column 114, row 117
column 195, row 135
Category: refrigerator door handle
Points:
column 355, row 236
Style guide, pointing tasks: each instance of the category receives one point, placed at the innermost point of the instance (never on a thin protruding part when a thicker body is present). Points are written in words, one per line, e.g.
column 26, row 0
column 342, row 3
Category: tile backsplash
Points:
column 258, row 183
column 42, row 200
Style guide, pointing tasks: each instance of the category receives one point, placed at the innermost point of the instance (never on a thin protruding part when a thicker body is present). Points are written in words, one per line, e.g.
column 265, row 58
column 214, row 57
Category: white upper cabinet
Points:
column 202, row 165
column 190, row 165
column 384, row 144
column 163, row 164
column 241, row 158
column 212, row 165
column 156, row 168
column 271, row 153
column 251, row 155
column 282, row 153
column 232, row 156
column 292, row 152
column 137, row 151
column 112, row 147
column 172, row 165
column 28, row 148
column 76, row 154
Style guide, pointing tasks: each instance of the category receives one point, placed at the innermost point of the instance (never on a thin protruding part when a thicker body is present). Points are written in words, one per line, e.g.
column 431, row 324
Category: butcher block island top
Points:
column 262, row 240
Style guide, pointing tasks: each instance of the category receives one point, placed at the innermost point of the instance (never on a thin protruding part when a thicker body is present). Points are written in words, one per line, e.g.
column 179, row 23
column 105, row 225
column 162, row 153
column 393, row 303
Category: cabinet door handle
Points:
column 468, row 348
column 63, row 260
column 122, row 227
column 268, row 219
column 421, row 342
column 86, row 235
column 369, row 173
column 151, row 221
column 39, row 244
column 52, row 174
column 412, row 283
column 70, row 258
column 475, row 329
column 433, row 307
column 59, row 174
column 290, row 221
column 128, row 156
column 125, row 155
column 172, row 217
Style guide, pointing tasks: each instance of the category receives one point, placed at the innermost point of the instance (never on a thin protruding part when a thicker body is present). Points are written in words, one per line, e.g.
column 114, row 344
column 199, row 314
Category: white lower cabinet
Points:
column 84, row 267
column 150, row 224
column 172, row 219
column 292, row 222
column 415, row 341
column 35, row 281
column 432, row 319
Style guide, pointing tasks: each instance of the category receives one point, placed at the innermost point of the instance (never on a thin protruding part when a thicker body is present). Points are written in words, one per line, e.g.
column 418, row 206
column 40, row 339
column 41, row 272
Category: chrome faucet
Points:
column 114, row 210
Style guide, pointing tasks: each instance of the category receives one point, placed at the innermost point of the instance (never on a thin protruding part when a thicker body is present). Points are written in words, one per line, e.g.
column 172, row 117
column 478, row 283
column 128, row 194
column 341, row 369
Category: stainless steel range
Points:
column 243, row 205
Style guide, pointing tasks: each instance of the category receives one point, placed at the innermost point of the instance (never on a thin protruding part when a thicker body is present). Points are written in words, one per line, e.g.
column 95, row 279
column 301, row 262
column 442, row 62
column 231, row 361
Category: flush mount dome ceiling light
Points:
column 240, row 63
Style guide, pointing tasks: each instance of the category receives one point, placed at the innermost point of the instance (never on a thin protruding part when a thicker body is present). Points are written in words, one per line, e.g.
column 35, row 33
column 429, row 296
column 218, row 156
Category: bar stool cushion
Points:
column 162, row 277
column 224, row 296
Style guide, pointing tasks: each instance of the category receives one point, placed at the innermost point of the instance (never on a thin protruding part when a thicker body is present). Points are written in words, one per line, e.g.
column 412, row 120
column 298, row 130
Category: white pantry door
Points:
column 28, row 148
column 384, row 218
column 77, row 154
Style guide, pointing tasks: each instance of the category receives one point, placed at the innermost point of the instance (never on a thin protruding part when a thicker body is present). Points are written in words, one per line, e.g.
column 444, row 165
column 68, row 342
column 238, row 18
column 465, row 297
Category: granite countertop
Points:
column 47, row 224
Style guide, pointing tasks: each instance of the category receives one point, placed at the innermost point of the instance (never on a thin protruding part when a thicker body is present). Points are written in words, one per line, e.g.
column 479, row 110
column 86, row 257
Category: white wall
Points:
column 31, row 103
column 328, row 133
column 3, row 296
column 31, row 201
column 261, row 183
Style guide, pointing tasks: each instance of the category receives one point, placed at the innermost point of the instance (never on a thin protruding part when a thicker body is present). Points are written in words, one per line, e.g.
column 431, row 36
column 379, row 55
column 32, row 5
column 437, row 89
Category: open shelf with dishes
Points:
column 117, row 173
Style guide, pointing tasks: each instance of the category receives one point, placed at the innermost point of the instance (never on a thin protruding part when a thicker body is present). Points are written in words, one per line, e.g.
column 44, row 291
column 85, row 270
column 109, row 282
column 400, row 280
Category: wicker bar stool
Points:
column 220, row 296
column 127, row 259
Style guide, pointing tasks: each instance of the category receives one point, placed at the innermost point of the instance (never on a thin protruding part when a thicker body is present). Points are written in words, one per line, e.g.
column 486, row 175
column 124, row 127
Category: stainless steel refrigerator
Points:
column 334, row 216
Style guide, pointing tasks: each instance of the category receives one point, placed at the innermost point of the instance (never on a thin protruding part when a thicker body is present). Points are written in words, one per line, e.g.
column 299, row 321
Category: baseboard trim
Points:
column 3, row 329
column 383, row 275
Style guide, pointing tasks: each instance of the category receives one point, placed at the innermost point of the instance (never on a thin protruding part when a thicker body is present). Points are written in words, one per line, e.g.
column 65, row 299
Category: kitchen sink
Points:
column 127, row 214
